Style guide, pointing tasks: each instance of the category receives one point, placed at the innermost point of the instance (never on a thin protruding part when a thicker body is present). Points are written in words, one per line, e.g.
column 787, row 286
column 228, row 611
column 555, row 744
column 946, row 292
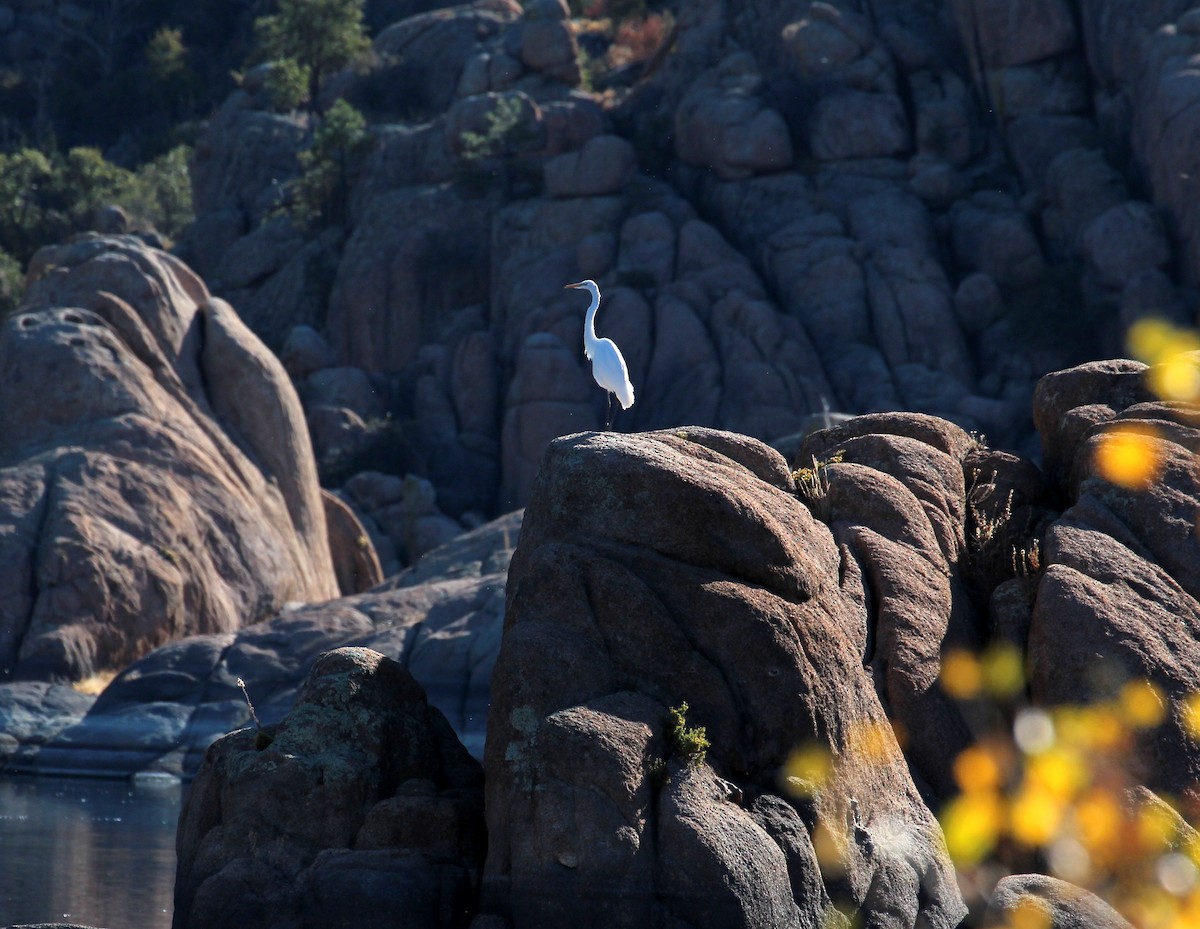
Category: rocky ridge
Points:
column 790, row 208
column 814, row 609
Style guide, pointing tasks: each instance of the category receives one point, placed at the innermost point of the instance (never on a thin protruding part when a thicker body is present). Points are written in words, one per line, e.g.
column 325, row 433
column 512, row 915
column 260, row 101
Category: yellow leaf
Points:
column 1029, row 914
column 1190, row 714
column 1099, row 822
column 1059, row 772
column 1175, row 378
column 829, row 852
column 873, row 742
column 1003, row 671
column 1156, row 340
column 1155, row 828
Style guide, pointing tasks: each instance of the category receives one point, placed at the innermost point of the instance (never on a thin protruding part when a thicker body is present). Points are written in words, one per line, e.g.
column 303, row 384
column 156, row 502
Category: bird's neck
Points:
column 589, row 327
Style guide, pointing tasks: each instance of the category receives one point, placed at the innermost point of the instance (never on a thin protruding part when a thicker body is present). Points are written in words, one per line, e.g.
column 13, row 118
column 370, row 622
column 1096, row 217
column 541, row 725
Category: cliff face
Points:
column 790, row 208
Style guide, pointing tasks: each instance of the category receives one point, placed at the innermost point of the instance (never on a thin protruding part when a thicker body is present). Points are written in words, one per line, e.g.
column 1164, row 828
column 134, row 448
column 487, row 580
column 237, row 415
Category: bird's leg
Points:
column 609, row 414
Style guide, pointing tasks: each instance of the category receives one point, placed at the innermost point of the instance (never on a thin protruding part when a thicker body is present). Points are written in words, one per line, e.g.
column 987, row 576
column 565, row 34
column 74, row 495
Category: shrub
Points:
column 11, row 283
column 44, row 198
column 316, row 37
column 320, row 194
column 687, row 744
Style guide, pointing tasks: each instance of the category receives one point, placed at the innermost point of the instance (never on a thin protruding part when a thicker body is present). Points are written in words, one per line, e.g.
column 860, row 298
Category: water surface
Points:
column 101, row 853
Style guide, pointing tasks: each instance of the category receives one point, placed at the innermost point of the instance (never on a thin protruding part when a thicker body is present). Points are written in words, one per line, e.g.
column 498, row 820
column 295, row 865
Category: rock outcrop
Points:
column 359, row 805
column 155, row 470
column 868, row 212
column 680, row 567
column 1118, row 600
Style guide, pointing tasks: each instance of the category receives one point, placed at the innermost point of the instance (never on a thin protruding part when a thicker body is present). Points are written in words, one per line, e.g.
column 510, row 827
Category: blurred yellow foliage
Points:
column 972, row 824
column 1061, row 793
column 1003, row 669
column 1142, row 704
column 1099, row 823
column 977, row 769
column 1191, row 715
column 1029, row 914
column 829, row 852
column 807, row 769
column 1174, row 376
column 871, row 741
column 1059, row 772
column 1036, row 815
column 961, row 676
column 1128, row 456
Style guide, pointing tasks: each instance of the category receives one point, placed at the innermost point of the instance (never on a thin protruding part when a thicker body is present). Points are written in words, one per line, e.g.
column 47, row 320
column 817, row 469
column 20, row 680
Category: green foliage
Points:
column 11, row 283
column 166, row 55
column 287, row 84
column 318, row 36
column 320, row 194
column 160, row 192
column 495, row 152
column 688, row 744
column 812, row 485
column 504, row 135
column 44, row 198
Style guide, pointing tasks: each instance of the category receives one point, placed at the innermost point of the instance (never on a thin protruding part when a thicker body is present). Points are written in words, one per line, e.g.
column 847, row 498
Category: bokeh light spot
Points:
column 972, row 824
column 1003, row 671
column 1128, row 456
column 1036, row 816
column 1033, row 731
column 807, row 769
column 1142, row 704
column 976, row 768
column 962, row 677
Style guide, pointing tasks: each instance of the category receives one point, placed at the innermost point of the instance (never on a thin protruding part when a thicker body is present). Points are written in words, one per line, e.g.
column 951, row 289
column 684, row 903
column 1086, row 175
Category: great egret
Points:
column 608, row 365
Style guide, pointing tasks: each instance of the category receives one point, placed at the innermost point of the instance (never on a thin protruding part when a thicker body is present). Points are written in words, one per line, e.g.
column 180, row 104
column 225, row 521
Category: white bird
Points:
column 608, row 364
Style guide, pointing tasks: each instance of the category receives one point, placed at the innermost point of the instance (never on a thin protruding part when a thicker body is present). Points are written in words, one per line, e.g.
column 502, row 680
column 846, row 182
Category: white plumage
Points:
column 608, row 364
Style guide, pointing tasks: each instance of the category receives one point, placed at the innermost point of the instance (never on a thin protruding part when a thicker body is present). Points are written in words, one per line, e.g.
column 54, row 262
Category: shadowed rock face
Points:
column 154, row 466
column 680, row 567
column 359, row 805
column 889, row 206
column 1118, row 601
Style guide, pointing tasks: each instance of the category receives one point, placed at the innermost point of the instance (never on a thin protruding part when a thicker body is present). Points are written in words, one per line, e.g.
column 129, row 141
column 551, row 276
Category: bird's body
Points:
column 608, row 364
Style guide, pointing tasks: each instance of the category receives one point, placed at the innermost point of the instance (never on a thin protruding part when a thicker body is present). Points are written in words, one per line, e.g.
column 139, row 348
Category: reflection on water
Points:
column 101, row 853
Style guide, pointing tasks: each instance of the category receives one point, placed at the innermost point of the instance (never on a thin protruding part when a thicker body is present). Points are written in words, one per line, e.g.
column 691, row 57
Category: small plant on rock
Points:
column 812, row 484
column 689, row 744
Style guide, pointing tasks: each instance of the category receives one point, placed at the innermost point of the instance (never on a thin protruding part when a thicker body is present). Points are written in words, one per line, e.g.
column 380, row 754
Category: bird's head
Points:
column 589, row 286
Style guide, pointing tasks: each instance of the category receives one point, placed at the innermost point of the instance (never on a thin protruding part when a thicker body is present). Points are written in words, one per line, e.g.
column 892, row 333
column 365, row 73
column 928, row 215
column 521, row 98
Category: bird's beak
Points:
column 571, row 287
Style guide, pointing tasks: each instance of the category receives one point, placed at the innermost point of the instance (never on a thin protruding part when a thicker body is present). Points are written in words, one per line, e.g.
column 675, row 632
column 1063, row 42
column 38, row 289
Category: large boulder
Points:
column 154, row 466
column 1120, row 598
column 1050, row 902
column 679, row 567
column 360, row 804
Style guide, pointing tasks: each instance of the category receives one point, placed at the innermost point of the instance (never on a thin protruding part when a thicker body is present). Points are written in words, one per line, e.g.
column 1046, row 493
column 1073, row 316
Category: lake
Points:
column 101, row 853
